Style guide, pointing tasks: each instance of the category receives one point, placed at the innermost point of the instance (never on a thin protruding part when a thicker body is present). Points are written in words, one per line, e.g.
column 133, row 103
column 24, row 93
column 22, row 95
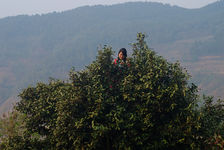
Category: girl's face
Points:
column 121, row 56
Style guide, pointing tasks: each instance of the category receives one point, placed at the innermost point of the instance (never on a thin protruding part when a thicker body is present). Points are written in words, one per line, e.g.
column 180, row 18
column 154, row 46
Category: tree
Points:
column 147, row 104
column 211, row 131
column 12, row 131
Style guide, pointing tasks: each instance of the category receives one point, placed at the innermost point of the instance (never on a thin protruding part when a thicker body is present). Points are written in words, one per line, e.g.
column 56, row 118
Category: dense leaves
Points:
column 146, row 103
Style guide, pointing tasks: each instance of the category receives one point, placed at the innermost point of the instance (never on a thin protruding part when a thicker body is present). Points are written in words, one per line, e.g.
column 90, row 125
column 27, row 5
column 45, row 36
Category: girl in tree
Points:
column 121, row 59
column 122, row 63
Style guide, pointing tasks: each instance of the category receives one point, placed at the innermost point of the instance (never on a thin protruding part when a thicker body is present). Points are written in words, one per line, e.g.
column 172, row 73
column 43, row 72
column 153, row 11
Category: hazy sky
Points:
column 17, row 7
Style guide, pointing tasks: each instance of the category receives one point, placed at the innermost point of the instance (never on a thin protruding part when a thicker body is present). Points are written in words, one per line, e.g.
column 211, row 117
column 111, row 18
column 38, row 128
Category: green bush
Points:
column 147, row 104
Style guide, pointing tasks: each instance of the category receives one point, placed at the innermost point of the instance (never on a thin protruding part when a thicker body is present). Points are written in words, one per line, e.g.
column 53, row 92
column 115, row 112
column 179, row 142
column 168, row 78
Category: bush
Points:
column 147, row 104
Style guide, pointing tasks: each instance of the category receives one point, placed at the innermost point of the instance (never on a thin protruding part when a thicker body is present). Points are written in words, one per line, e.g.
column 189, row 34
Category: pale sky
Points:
column 31, row 7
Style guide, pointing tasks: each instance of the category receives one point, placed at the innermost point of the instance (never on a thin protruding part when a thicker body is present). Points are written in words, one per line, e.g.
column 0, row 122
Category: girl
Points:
column 121, row 59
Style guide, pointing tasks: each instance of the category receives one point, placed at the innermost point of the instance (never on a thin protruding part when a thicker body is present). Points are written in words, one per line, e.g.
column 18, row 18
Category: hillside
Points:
column 34, row 48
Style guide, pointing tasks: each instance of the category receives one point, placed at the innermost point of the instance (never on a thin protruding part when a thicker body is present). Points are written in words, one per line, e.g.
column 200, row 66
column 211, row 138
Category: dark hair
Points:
column 124, row 52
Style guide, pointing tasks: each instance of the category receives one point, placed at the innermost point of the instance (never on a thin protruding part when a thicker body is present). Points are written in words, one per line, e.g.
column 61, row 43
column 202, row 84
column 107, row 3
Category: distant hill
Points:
column 34, row 48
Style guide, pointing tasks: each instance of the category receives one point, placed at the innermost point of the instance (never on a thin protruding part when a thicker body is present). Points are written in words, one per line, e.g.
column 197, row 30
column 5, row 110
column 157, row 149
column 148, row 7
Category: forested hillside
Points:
column 34, row 48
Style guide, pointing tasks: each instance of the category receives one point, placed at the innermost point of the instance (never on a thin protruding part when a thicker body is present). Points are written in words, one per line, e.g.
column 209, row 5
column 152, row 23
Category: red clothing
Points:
column 116, row 61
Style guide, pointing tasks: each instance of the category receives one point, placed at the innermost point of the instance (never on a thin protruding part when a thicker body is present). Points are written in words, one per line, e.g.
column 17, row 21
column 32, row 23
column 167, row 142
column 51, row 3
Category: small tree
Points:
column 211, row 131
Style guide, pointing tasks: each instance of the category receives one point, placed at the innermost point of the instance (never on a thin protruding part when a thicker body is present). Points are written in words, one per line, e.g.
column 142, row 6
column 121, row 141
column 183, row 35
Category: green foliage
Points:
column 215, row 142
column 11, row 124
column 211, row 123
column 39, row 105
column 213, row 116
column 12, row 130
column 146, row 103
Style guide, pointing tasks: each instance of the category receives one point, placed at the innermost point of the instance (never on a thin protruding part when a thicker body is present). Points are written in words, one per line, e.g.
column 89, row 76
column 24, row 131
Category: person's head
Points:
column 122, row 54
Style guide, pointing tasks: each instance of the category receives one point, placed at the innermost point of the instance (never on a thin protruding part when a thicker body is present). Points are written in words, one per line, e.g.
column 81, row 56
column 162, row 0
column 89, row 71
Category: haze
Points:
column 31, row 7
